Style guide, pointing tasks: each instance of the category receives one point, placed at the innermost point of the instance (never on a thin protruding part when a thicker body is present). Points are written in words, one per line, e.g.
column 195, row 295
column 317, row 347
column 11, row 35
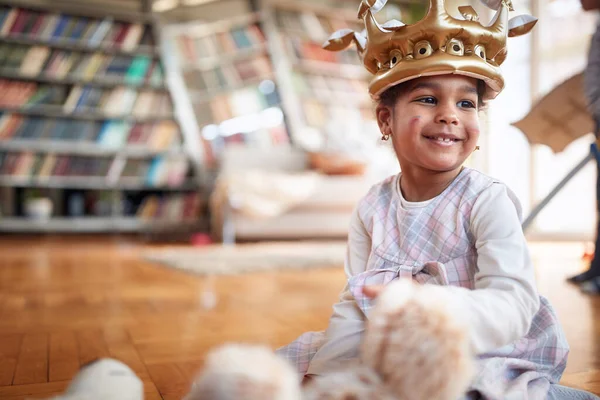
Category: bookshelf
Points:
column 227, row 73
column 325, row 94
column 88, row 122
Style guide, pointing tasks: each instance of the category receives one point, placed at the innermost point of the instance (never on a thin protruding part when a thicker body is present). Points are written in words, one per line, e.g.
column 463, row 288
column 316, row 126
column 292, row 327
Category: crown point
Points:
column 339, row 40
column 468, row 13
column 521, row 25
column 508, row 3
column 393, row 25
column 493, row 4
column 373, row 5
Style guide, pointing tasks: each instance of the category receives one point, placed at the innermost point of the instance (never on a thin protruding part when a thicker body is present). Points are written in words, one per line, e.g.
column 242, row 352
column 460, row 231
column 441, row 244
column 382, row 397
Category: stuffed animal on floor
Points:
column 104, row 379
column 415, row 347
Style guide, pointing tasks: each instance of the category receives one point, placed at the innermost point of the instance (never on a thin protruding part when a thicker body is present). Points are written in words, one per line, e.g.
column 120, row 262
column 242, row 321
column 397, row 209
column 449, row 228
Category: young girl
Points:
column 438, row 221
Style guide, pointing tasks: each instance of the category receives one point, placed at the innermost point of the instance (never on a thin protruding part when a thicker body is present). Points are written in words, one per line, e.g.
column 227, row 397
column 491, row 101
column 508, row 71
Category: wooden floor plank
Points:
column 93, row 297
column 64, row 356
column 122, row 349
column 169, row 380
column 35, row 389
column 9, row 354
column 91, row 345
column 190, row 369
column 32, row 365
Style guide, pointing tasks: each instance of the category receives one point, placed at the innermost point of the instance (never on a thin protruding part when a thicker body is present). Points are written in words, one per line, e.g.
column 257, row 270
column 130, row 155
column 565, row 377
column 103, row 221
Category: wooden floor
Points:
column 64, row 302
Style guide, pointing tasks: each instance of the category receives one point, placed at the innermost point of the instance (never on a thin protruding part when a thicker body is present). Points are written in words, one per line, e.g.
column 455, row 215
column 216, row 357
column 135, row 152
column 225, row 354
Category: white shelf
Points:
column 86, row 8
column 85, row 148
column 91, row 224
column 201, row 29
column 97, row 81
column 57, row 111
column 89, row 183
column 73, row 45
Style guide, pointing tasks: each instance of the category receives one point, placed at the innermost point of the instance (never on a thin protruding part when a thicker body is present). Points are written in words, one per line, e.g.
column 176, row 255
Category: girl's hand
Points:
column 307, row 379
column 373, row 291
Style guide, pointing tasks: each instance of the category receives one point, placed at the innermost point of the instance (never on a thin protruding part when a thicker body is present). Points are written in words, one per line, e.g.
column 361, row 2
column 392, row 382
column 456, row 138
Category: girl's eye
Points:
column 466, row 104
column 427, row 100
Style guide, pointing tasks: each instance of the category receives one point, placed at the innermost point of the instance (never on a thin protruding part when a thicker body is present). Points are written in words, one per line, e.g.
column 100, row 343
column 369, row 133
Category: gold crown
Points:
column 438, row 44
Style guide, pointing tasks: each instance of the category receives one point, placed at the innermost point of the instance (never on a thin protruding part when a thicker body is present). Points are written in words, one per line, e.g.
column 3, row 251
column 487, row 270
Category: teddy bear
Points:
column 416, row 346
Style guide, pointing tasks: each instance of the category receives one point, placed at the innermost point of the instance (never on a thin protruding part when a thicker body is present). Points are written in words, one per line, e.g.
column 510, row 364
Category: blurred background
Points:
column 130, row 116
column 167, row 165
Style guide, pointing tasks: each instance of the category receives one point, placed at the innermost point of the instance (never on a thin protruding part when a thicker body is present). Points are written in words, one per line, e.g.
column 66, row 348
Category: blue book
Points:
column 3, row 14
column 78, row 29
column 104, row 131
column 63, row 21
column 153, row 171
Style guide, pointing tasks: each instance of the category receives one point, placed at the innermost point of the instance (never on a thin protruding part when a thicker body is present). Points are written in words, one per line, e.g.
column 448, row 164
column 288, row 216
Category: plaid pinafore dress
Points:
column 432, row 244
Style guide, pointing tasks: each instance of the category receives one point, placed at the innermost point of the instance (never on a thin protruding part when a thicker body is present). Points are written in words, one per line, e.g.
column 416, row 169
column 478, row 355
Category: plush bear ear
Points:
column 245, row 372
column 416, row 331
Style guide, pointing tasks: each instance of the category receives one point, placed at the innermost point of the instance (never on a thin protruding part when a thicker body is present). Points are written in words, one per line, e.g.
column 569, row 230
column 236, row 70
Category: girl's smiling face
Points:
column 434, row 122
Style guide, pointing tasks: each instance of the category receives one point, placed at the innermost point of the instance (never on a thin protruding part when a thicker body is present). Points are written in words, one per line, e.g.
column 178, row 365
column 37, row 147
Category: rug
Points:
column 244, row 258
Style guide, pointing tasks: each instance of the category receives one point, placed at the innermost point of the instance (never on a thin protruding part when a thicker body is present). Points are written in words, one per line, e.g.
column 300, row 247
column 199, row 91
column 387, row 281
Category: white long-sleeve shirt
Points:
column 499, row 310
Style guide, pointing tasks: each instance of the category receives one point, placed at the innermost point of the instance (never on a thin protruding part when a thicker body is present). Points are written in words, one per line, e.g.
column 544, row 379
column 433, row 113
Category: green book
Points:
column 137, row 70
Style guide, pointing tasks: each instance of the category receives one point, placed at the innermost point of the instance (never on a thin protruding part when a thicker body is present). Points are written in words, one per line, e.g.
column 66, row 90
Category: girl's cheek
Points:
column 415, row 123
column 472, row 128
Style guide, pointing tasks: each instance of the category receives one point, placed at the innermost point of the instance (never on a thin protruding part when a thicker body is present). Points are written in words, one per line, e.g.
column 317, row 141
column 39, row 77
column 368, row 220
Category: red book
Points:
column 121, row 34
column 37, row 24
column 20, row 21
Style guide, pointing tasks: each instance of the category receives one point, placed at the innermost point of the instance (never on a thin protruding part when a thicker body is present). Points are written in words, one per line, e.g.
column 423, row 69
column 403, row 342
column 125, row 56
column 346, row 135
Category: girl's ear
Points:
column 384, row 119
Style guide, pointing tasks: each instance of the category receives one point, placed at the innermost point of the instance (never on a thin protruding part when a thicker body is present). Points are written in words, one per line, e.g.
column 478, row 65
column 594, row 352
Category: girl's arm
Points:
column 502, row 306
column 346, row 325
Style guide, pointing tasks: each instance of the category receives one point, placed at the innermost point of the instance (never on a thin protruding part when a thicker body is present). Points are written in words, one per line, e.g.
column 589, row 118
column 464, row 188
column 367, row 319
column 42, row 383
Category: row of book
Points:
column 170, row 207
column 121, row 100
column 193, row 48
column 329, row 87
column 29, row 164
column 155, row 136
column 223, row 77
column 159, row 171
column 92, row 32
column 167, row 207
column 117, row 101
column 33, row 61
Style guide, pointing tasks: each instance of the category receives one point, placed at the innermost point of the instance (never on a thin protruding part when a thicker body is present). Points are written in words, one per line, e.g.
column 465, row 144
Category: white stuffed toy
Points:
column 104, row 379
column 416, row 347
